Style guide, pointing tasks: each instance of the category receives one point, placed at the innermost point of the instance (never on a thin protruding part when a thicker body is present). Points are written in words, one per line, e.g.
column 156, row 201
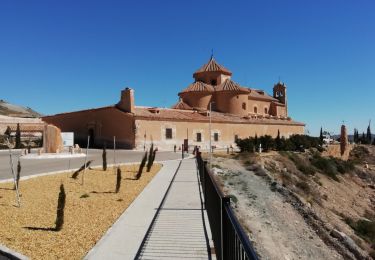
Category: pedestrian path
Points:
column 166, row 221
column 180, row 228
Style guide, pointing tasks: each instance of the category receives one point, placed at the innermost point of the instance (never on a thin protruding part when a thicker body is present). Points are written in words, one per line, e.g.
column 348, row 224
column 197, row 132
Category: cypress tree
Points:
column 104, row 156
column 18, row 174
column 141, row 166
column 18, row 137
column 278, row 141
column 363, row 139
column 60, row 209
column 118, row 180
column 355, row 137
column 150, row 158
column 321, row 135
column 368, row 134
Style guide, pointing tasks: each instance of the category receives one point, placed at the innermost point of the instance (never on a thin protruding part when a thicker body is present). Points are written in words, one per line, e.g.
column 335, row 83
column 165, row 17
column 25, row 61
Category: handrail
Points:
column 230, row 240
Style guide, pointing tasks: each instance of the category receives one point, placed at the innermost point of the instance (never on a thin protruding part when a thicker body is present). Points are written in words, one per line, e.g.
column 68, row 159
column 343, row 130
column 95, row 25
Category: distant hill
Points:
column 7, row 109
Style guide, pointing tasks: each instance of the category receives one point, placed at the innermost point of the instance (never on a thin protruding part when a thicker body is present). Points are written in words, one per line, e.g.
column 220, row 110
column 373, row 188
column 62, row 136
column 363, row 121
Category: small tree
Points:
column 150, row 158
column 18, row 175
column 141, row 166
column 18, row 137
column 278, row 141
column 118, row 180
column 104, row 156
column 321, row 135
column 368, row 134
column 60, row 209
column 8, row 132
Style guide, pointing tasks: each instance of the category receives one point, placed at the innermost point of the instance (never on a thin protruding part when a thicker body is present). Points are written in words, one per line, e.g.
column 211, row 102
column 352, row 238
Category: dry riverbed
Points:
column 277, row 230
column 90, row 210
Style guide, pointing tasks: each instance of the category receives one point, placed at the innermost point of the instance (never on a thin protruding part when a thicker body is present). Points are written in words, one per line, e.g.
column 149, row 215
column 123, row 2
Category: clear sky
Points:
column 59, row 56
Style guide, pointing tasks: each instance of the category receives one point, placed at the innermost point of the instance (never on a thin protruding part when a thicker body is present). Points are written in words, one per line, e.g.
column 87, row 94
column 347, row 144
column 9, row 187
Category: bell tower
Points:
column 279, row 92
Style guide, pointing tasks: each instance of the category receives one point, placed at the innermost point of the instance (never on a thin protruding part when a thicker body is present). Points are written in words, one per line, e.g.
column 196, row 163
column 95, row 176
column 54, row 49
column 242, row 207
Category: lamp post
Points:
column 209, row 127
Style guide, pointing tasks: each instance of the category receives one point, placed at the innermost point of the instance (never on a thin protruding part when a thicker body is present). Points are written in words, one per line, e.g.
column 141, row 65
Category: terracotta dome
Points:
column 197, row 95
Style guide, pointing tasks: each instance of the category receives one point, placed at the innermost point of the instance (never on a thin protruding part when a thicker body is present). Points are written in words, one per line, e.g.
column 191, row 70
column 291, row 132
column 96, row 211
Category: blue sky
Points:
column 58, row 56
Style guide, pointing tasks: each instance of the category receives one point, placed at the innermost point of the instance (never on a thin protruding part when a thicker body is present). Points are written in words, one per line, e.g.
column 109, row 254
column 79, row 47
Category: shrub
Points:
column 246, row 144
column 267, row 142
column 301, row 165
column 303, row 186
column 60, row 209
column 326, row 166
column 118, row 180
column 104, row 157
column 363, row 228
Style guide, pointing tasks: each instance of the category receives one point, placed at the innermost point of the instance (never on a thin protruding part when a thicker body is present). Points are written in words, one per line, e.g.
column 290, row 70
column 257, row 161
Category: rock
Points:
column 349, row 243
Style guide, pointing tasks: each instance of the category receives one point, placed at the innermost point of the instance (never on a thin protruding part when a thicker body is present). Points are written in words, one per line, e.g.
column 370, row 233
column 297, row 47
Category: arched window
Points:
column 244, row 106
column 265, row 110
column 255, row 110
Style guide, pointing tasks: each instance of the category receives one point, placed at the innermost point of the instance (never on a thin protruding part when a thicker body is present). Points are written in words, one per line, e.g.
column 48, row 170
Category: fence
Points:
column 230, row 240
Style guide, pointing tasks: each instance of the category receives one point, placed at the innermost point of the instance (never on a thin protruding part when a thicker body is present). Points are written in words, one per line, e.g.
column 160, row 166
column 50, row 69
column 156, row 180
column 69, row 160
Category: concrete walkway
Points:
column 166, row 221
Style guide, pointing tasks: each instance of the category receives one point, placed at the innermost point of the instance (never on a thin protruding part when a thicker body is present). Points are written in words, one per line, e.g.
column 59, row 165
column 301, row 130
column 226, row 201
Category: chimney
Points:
column 127, row 100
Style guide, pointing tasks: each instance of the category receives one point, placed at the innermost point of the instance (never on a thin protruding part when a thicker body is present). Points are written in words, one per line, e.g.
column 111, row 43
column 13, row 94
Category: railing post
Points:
column 204, row 167
column 224, row 201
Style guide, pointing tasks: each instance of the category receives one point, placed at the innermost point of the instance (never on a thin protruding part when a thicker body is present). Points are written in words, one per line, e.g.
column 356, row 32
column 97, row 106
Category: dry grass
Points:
column 86, row 218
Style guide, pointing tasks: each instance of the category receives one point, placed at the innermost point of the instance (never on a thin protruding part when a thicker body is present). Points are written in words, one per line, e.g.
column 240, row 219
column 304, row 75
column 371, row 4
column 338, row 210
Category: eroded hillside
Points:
column 303, row 205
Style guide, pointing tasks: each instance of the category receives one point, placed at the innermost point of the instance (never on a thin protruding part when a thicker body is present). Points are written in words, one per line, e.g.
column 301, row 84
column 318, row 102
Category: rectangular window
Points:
column 199, row 137
column 216, row 137
column 168, row 133
column 235, row 138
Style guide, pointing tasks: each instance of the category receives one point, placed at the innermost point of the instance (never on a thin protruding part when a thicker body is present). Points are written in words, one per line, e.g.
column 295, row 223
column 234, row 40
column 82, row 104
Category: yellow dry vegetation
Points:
column 86, row 218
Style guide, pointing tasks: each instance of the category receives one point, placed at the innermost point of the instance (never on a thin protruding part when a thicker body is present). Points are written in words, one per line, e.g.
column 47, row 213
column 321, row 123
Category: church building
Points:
column 212, row 106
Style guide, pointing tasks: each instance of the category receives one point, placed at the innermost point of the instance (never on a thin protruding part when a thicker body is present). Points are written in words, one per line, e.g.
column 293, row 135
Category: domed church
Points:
column 213, row 109
column 213, row 85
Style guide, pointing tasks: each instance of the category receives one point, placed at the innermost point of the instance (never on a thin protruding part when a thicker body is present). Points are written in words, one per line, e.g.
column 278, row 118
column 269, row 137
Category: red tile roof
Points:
column 229, row 85
column 181, row 105
column 198, row 86
column 195, row 116
column 212, row 65
column 260, row 94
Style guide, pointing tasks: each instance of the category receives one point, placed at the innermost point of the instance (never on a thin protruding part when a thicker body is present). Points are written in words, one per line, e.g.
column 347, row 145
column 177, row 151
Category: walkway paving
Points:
column 178, row 229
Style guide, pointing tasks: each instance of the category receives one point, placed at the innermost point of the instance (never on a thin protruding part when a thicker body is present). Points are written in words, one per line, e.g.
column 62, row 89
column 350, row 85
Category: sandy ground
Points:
column 276, row 229
column 86, row 218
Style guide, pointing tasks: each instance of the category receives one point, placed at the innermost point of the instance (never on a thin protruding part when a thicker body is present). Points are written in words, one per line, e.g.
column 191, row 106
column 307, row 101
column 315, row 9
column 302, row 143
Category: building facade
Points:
column 233, row 110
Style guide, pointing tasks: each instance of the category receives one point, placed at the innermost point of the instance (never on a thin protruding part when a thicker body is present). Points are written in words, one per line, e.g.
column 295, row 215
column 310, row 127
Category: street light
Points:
column 210, row 135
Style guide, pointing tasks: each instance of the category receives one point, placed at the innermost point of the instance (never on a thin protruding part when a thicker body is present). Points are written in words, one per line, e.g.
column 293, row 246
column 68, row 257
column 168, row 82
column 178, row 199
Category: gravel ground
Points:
column 87, row 218
column 276, row 229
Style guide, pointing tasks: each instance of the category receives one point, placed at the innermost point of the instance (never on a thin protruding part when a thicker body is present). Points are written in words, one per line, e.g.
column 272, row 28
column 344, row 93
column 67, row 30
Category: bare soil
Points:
column 276, row 229
column 90, row 210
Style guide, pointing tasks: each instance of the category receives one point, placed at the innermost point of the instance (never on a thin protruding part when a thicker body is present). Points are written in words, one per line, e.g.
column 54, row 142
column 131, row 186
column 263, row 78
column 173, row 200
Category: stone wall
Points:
column 155, row 131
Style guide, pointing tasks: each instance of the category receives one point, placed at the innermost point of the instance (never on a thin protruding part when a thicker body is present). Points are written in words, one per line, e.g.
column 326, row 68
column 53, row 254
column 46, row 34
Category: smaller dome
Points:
column 231, row 86
column 198, row 86
column 213, row 66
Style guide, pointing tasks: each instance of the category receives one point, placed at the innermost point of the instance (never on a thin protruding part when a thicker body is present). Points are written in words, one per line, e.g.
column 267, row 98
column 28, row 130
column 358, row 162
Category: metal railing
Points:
column 230, row 240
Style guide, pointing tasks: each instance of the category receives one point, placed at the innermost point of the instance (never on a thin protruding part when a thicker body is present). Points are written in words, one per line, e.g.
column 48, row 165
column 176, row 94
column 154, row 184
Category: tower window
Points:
column 244, row 106
column 265, row 110
column 199, row 137
column 213, row 82
column 235, row 138
column 168, row 133
column 255, row 110
column 216, row 137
